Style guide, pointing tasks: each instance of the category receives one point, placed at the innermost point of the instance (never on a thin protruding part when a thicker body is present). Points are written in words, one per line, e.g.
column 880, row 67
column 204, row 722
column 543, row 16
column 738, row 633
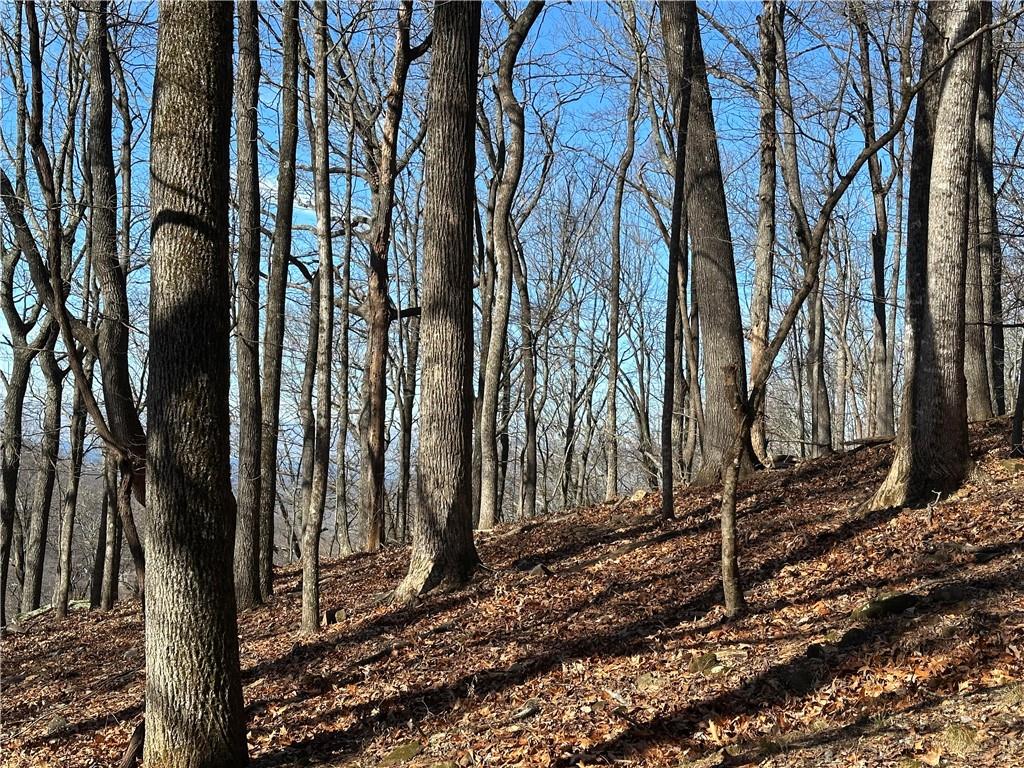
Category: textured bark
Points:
column 528, row 485
column 678, row 29
column 111, row 274
column 250, row 411
column 307, row 421
column 990, row 253
column 614, row 289
column 764, row 245
column 714, row 275
column 976, row 370
column 443, row 554
column 821, row 410
column 883, row 409
column 49, row 449
column 501, row 226
column 194, row 714
column 114, row 535
column 277, row 283
column 377, row 310
column 99, row 557
column 325, row 343
column 932, row 454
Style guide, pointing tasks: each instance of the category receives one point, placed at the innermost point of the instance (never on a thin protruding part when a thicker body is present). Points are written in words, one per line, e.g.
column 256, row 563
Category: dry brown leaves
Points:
column 619, row 652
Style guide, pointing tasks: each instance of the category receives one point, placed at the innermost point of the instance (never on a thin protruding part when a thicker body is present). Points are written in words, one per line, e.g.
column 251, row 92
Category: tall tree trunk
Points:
column 194, row 713
column 49, row 449
column 501, row 226
column 277, row 283
column 377, row 310
column 714, row 276
column 528, row 495
column 247, row 353
column 325, row 344
column 111, row 270
column 443, row 554
column 988, row 222
column 678, row 29
column 932, row 452
column 976, row 370
column 764, row 246
column 883, row 409
column 307, row 420
column 614, row 289
column 341, row 521
column 821, row 411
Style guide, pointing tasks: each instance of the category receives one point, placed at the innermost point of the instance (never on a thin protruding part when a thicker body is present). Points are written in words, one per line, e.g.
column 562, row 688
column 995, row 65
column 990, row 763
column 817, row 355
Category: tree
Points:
column 932, row 452
column 314, row 514
column 443, row 554
column 194, row 714
column 511, row 170
column 678, row 25
column 714, row 274
column 277, row 283
column 250, row 411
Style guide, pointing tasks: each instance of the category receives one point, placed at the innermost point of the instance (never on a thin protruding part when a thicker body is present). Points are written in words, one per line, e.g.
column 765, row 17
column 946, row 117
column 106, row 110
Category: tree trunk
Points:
column 714, row 276
column 976, row 370
column 377, row 309
column 99, row 556
column 307, row 422
column 932, row 453
column 247, row 354
column 678, row 22
column 508, row 184
column 821, row 411
column 194, row 713
column 988, row 223
column 114, row 535
column 764, row 246
column 883, row 409
column 277, row 283
column 528, row 494
column 443, row 554
column 49, row 449
column 325, row 343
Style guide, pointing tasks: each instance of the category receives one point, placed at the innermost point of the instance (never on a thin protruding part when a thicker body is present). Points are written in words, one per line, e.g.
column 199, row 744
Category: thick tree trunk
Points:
column 247, row 335
column 277, row 283
column 443, row 554
column 501, row 227
column 932, row 453
column 714, row 276
column 325, row 343
column 49, row 449
column 194, row 714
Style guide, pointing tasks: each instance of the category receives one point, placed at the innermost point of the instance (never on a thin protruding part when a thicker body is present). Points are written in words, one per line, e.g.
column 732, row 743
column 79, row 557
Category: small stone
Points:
column 704, row 663
column 883, row 607
column 539, row 571
column 403, row 753
column 57, row 724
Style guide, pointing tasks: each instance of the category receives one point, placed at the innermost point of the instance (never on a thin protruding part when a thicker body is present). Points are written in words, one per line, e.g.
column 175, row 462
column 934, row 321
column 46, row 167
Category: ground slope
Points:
column 615, row 650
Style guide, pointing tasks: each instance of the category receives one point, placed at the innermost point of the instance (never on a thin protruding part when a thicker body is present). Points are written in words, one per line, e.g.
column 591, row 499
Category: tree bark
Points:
column 932, row 453
column 247, row 354
column 764, row 245
column 508, row 184
column 277, row 283
column 443, row 554
column 49, row 449
column 681, row 40
column 194, row 714
column 325, row 343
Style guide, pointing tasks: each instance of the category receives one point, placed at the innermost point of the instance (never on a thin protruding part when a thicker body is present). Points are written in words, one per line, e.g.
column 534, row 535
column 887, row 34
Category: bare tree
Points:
column 194, row 714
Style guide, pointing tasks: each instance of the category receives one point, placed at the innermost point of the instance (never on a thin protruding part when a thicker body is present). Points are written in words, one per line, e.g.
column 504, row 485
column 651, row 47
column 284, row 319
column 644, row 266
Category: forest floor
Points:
column 616, row 650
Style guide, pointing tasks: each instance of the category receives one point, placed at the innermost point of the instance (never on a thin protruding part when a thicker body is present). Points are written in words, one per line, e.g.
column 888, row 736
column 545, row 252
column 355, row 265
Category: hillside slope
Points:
column 616, row 650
